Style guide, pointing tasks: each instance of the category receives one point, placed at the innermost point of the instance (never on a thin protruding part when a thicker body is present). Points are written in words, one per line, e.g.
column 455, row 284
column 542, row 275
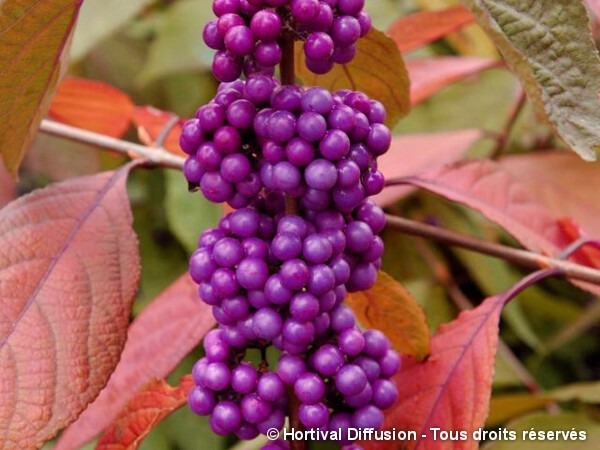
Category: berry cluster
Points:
column 297, row 165
column 307, row 143
column 246, row 33
column 281, row 281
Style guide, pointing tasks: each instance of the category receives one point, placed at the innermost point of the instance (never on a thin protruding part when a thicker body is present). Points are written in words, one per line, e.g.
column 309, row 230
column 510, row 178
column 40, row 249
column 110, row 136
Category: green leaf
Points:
column 178, row 46
column 188, row 214
column 34, row 35
column 549, row 46
column 101, row 18
column 377, row 70
column 550, row 422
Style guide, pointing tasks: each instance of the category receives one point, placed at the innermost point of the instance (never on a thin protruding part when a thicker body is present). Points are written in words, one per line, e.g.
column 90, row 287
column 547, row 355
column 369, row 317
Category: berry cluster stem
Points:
column 288, row 76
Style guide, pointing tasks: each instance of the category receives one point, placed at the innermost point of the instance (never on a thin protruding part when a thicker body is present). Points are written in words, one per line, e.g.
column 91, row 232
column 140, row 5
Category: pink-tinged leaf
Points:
column 485, row 186
column 154, row 122
column 412, row 154
column 594, row 7
column 428, row 76
column 34, row 36
column 490, row 189
column 416, row 30
column 92, row 105
column 151, row 405
column 160, row 337
column 69, row 271
column 8, row 187
column 563, row 183
column 451, row 390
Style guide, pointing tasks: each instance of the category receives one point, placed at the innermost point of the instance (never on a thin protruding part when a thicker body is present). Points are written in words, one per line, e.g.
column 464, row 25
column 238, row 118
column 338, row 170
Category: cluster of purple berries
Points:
column 281, row 281
column 246, row 34
column 297, row 165
column 319, row 147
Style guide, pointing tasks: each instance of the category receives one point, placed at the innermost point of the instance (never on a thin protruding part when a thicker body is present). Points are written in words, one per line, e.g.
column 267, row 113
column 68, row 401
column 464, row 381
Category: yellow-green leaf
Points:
column 586, row 430
column 389, row 307
column 377, row 70
column 549, row 46
column 583, row 392
column 34, row 34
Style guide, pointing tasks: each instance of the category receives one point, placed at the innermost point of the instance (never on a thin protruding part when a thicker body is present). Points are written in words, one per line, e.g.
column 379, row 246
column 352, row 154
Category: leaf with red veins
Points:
column 451, row 390
column 69, row 271
column 149, row 407
column 158, row 340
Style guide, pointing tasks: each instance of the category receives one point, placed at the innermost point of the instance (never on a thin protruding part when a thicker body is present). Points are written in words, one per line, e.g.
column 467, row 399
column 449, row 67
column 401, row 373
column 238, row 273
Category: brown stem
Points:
column 287, row 66
column 513, row 115
column 521, row 257
column 295, row 424
column 288, row 76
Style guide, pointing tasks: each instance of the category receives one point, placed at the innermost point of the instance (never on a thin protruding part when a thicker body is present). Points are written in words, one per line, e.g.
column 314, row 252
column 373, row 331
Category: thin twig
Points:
column 443, row 275
column 513, row 115
column 523, row 258
column 154, row 155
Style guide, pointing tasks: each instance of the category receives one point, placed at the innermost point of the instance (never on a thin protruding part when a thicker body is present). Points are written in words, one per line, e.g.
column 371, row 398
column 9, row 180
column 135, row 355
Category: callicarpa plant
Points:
column 360, row 240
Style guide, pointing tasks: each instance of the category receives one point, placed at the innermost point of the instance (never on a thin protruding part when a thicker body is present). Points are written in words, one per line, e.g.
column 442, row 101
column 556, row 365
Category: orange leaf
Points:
column 378, row 70
column 8, row 187
column 451, row 390
column 416, row 30
column 92, row 105
column 151, row 405
column 428, row 76
column 389, row 307
column 411, row 154
column 69, row 271
column 154, row 122
column 159, row 338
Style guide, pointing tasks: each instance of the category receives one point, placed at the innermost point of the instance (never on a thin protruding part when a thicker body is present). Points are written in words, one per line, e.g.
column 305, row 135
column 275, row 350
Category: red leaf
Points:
column 451, row 390
column 151, row 405
column 416, row 30
column 161, row 336
column 154, row 121
column 430, row 75
column 69, row 270
column 412, row 154
column 92, row 105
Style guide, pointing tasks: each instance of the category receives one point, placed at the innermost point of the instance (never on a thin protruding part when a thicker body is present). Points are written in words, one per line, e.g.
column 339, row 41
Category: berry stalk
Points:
column 288, row 77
